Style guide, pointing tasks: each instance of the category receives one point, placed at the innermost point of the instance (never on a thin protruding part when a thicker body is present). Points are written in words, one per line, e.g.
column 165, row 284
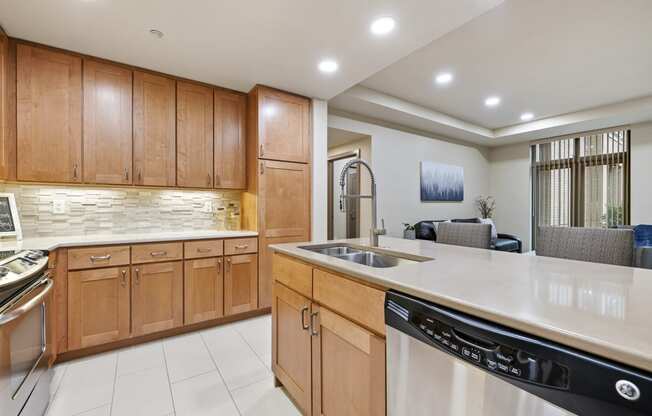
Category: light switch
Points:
column 59, row 206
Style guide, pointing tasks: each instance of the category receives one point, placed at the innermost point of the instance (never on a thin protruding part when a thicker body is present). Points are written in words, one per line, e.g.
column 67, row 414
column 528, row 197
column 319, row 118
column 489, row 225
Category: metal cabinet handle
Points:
column 74, row 171
column 100, row 258
column 137, row 276
column 9, row 315
column 158, row 253
column 262, row 168
column 262, row 150
column 126, row 174
column 228, row 263
column 219, row 264
column 124, row 278
column 203, row 250
column 140, row 175
column 241, row 246
column 208, row 179
column 303, row 318
column 313, row 331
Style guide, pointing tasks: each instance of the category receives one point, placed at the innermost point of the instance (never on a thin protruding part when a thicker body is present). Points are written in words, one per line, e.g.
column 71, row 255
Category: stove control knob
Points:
column 34, row 255
column 4, row 271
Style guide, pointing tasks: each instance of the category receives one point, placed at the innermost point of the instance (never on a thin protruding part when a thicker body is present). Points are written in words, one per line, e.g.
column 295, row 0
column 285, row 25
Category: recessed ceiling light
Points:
column 328, row 66
column 444, row 78
column 492, row 101
column 156, row 33
column 527, row 116
column 382, row 26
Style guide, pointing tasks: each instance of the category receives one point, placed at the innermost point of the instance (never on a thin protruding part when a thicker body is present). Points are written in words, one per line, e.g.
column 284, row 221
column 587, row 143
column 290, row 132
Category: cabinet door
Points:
column 203, row 290
column 283, row 126
column 49, row 141
column 157, row 294
column 229, row 146
column 291, row 345
column 194, row 135
column 98, row 306
column 7, row 109
column 241, row 284
column 107, row 123
column 154, row 130
column 348, row 367
column 284, row 212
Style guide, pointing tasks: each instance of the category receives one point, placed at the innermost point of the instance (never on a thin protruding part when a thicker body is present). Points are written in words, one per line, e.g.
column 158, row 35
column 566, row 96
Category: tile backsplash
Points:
column 48, row 210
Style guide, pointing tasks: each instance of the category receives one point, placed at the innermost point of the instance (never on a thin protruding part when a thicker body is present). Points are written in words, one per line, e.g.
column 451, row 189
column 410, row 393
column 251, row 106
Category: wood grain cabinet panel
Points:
column 292, row 273
column 284, row 126
column 229, row 144
column 98, row 306
column 291, row 345
column 157, row 297
column 107, row 123
column 240, row 245
column 156, row 252
column 7, row 108
column 203, row 290
column 49, row 115
column 202, row 248
column 348, row 367
column 240, row 284
column 94, row 257
column 154, row 123
column 194, row 135
column 284, row 212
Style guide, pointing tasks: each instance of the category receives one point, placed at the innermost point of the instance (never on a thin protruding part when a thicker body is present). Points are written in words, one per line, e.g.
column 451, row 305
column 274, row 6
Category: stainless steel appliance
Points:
column 24, row 346
column 446, row 363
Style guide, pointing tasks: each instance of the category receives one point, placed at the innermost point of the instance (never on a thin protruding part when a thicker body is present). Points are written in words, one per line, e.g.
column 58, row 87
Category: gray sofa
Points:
column 426, row 230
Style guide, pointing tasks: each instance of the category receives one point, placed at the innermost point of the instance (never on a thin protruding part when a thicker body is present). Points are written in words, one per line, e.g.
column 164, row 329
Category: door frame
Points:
column 331, row 159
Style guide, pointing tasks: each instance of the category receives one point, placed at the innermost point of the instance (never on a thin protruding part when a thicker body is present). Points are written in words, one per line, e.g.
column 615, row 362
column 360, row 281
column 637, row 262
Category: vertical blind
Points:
column 582, row 180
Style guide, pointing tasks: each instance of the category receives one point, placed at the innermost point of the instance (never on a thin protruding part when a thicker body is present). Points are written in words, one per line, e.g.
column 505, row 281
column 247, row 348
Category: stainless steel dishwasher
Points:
column 445, row 363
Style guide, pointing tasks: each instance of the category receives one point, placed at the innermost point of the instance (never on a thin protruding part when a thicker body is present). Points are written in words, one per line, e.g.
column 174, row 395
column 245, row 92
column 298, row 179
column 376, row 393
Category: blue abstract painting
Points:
column 441, row 182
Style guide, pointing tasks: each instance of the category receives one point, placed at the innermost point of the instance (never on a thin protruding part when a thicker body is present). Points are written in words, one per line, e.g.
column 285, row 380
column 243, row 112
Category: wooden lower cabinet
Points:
column 203, row 283
column 348, row 367
column 157, row 297
column 98, row 306
column 291, row 344
column 240, row 284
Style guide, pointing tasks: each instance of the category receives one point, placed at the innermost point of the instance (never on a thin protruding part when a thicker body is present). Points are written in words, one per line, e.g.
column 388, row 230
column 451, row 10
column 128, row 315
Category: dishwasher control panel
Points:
column 492, row 356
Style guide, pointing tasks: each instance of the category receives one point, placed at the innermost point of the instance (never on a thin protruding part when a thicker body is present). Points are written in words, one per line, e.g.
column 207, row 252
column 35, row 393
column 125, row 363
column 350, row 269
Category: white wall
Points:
column 510, row 182
column 319, row 201
column 395, row 157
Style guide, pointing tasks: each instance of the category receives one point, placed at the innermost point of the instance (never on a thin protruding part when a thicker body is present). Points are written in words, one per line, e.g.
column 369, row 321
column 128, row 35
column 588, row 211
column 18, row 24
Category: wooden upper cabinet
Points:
column 107, row 123
column 291, row 345
column 98, row 306
column 154, row 130
column 348, row 367
column 49, row 115
column 229, row 144
column 194, row 135
column 7, row 109
column 283, row 125
column 157, row 297
column 203, row 290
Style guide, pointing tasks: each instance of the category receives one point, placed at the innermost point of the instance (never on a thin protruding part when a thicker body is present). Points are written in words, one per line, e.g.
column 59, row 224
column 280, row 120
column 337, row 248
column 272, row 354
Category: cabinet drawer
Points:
column 203, row 248
column 149, row 253
column 293, row 274
column 351, row 299
column 240, row 246
column 92, row 257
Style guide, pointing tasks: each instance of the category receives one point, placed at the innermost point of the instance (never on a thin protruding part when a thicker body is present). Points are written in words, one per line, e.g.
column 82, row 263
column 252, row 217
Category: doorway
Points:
column 343, row 214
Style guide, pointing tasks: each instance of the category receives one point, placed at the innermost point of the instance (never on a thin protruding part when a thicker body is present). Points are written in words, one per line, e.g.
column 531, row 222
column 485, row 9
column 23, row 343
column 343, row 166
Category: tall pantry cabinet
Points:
column 277, row 201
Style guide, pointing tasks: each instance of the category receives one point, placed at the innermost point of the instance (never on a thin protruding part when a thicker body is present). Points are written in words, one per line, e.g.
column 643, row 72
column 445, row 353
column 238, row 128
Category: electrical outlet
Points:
column 59, row 206
column 208, row 207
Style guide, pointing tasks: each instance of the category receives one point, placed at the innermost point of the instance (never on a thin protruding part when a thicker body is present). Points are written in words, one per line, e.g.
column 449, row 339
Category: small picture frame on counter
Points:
column 9, row 220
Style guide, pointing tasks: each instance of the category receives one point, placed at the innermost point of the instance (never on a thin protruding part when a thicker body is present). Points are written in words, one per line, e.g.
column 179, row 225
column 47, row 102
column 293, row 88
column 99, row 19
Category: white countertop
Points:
column 602, row 309
column 51, row 243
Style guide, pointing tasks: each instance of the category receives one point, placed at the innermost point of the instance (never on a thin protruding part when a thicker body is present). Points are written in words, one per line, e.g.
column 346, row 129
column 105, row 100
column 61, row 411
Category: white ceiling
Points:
column 555, row 58
column 237, row 44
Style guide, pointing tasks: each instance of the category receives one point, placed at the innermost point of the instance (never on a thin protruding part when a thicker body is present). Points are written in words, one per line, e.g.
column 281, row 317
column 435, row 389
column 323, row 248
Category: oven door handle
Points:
column 11, row 315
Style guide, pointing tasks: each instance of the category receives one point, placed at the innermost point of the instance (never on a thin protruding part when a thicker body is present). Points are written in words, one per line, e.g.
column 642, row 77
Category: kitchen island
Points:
column 598, row 309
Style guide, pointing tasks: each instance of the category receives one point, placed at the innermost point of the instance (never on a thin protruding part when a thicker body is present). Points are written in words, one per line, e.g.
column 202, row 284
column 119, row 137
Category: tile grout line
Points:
column 56, row 391
column 253, row 349
column 237, row 408
column 167, row 371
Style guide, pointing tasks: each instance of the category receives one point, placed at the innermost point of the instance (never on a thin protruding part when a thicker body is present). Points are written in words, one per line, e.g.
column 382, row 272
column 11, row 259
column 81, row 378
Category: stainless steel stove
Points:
column 24, row 307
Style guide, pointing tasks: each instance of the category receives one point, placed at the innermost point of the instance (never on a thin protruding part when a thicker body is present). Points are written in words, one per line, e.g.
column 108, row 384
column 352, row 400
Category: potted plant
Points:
column 486, row 206
column 409, row 233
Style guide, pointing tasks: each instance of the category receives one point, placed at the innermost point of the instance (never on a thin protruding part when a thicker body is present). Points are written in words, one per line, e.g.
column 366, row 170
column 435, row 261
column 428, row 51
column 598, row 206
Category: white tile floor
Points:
column 221, row 371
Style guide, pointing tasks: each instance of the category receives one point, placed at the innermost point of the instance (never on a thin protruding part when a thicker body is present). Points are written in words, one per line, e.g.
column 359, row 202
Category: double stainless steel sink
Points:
column 364, row 255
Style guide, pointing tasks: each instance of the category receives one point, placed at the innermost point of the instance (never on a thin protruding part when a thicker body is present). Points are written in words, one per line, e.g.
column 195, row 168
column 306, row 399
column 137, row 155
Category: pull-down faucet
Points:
column 375, row 231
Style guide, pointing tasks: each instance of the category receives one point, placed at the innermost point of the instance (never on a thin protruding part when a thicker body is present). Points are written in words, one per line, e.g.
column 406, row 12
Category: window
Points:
column 582, row 180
